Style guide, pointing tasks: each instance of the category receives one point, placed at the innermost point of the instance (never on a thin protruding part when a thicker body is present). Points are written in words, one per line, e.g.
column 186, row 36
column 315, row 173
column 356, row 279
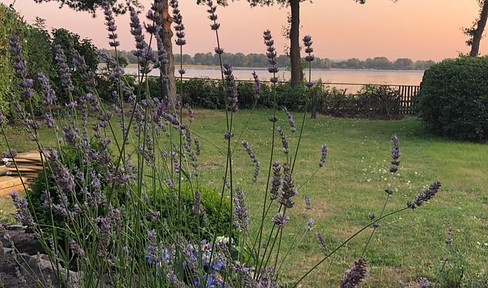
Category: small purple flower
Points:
column 424, row 282
column 290, row 120
column 425, row 195
column 110, row 22
column 47, row 91
column 309, row 224
column 323, row 155
column 75, row 248
column 395, row 153
column 323, row 245
column 219, row 51
column 64, row 70
column 389, row 191
column 284, row 141
column 257, row 83
column 253, row 158
column 276, row 181
column 241, row 216
column 288, row 190
column 271, row 54
column 2, row 119
column 355, row 275
column 308, row 205
column 230, row 88
column 178, row 20
column 280, row 219
column 197, row 208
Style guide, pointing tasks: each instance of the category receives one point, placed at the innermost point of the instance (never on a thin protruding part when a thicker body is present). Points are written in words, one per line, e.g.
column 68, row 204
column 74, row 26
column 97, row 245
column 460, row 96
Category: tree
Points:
column 294, row 31
column 476, row 32
column 120, row 6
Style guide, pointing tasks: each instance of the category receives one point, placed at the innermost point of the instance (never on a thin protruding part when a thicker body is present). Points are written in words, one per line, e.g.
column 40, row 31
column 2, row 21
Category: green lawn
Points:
column 350, row 186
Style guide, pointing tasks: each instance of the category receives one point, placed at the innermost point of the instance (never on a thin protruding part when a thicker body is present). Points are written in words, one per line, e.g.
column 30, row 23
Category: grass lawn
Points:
column 351, row 184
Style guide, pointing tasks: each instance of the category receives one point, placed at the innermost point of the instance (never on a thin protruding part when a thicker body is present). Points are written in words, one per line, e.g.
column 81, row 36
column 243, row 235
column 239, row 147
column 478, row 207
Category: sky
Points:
column 340, row 29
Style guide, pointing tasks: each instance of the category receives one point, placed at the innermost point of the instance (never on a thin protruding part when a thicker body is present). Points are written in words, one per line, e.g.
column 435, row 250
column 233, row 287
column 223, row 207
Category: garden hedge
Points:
column 453, row 98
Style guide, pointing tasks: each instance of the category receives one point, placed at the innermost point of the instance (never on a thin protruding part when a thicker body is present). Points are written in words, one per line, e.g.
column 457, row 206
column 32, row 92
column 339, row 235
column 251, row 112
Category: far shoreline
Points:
column 215, row 67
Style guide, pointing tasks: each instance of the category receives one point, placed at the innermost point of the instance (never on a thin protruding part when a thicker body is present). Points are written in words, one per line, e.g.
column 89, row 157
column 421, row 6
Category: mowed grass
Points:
column 351, row 185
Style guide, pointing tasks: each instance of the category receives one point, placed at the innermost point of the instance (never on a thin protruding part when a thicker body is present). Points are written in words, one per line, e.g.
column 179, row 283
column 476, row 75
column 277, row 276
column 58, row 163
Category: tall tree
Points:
column 476, row 32
column 121, row 6
column 294, row 33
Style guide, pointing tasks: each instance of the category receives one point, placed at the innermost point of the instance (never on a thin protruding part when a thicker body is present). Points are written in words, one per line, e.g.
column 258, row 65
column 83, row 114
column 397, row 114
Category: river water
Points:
column 340, row 78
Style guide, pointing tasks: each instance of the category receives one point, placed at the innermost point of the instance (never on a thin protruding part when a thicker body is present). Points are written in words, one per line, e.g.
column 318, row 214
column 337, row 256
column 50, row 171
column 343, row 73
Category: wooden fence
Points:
column 407, row 94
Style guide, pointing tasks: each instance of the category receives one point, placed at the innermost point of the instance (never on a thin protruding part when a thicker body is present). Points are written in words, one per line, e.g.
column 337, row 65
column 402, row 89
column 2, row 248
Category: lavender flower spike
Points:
column 110, row 22
column 241, row 215
column 280, row 219
column 290, row 120
column 425, row 195
column 253, row 158
column 355, row 275
column 323, row 155
column 178, row 20
column 271, row 54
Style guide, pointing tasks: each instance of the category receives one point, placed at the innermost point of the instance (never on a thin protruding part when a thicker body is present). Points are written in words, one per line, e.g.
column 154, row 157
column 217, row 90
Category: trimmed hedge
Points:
column 453, row 98
column 372, row 101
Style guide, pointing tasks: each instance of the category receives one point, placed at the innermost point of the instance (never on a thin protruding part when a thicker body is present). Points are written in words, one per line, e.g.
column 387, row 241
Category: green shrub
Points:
column 453, row 98
column 372, row 101
column 218, row 221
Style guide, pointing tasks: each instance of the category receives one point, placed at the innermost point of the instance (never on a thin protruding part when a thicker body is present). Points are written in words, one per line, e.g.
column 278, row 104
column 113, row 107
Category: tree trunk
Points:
column 296, row 67
column 478, row 33
column 169, row 87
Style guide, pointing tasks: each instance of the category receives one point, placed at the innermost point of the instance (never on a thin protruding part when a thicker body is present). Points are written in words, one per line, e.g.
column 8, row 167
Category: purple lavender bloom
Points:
column 178, row 20
column 290, row 120
column 424, row 282
column 308, row 205
column 230, row 88
column 307, row 41
column 275, row 181
column 288, row 190
column 2, row 119
column 20, row 67
column 110, row 22
column 355, row 275
column 395, row 153
column 389, row 191
column 75, row 248
column 197, row 208
column 309, row 224
column 280, row 219
column 323, row 245
column 253, row 158
column 213, row 17
column 23, row 214
column 271, row 54
column 257, row 84
column 64, row 70
column 425, row 195
column 284, row 142
column 47, row 91
column 241, row 216
column 323, row 155
column 310, row 84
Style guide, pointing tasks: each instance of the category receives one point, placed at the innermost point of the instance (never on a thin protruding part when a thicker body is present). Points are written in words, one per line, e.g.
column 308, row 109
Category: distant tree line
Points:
column 260, row 60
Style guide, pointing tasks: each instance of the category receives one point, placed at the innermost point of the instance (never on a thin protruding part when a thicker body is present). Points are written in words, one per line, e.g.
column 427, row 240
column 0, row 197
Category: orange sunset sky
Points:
column 341, row 29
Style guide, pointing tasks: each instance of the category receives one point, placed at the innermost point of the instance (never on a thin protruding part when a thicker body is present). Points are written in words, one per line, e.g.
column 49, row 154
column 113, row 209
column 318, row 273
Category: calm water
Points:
column 341, row 76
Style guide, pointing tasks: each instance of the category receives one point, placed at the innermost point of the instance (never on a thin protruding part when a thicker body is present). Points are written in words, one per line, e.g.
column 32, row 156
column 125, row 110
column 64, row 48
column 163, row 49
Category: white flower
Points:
column 5, row 160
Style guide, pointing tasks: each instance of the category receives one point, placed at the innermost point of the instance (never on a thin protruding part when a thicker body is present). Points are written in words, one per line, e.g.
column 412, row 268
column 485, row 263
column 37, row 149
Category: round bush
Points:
column 453, row 98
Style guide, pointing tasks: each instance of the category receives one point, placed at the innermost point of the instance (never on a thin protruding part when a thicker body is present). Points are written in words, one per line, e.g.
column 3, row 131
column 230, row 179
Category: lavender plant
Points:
column 133, row 210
